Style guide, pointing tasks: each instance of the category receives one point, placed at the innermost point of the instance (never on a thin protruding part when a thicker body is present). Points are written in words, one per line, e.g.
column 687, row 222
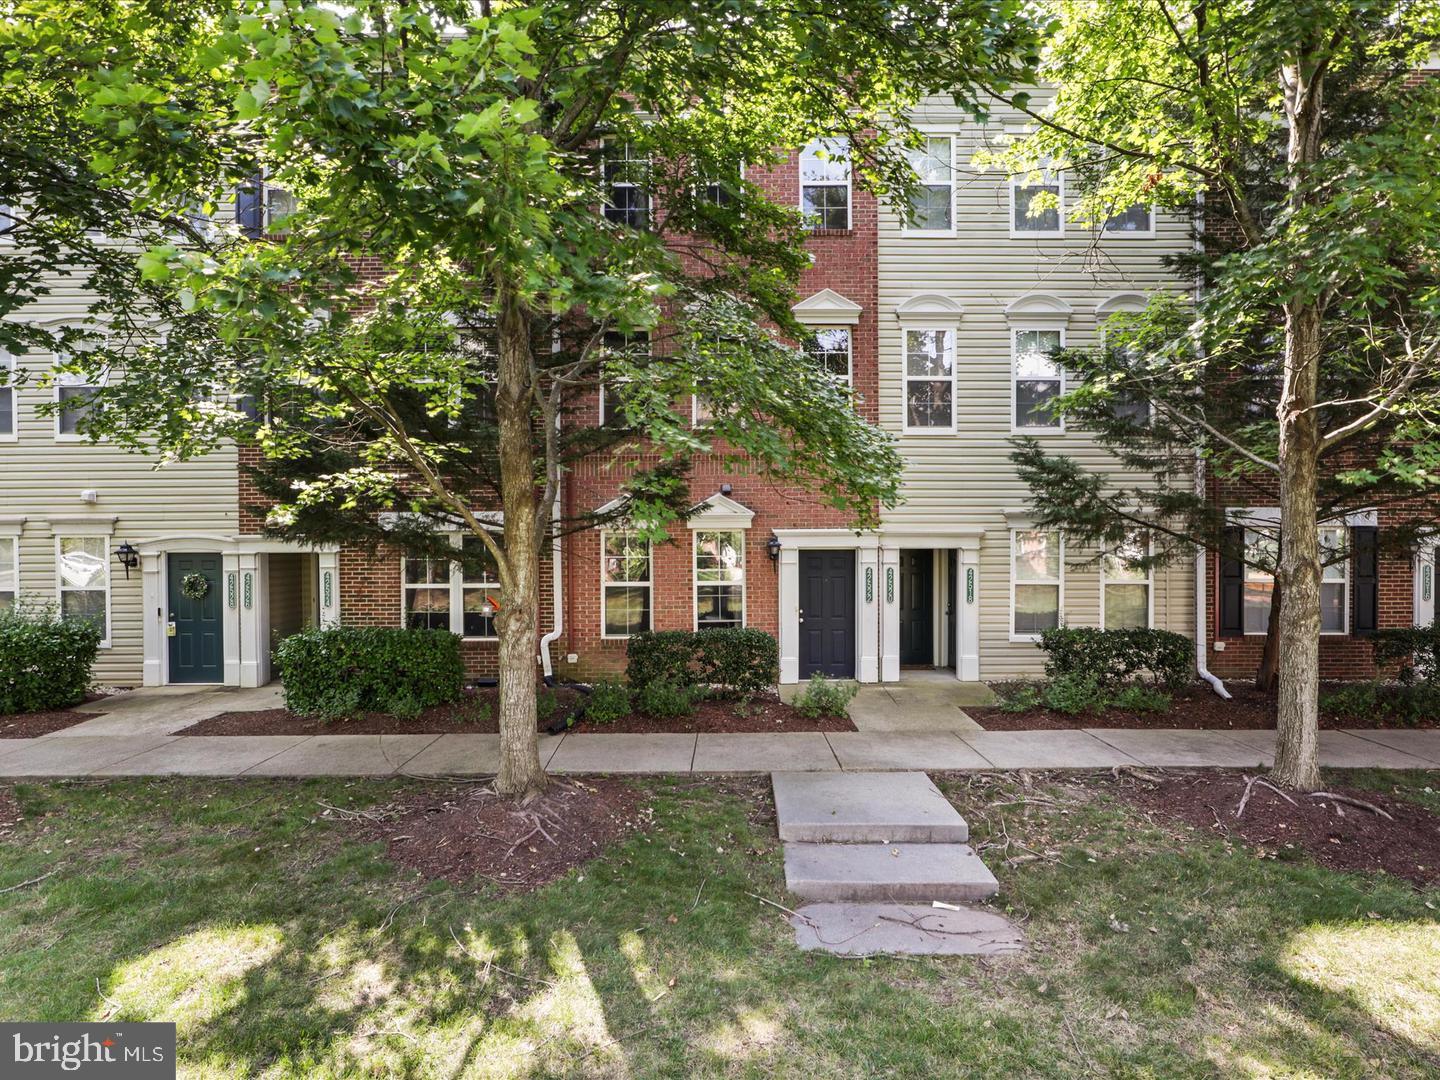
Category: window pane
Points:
column 84, row 604
column 72, row 419
column 1332, row 607
column 1133, row 410
column 826, row 207
column 928, row 403
column 718, row 557
column 1037, row 608
column 427, row 571
column 928, row 353
column 930, row 209
column 825, row 160
column 627, row 609
column 1132, row 219
column 830, row 349
column 427, row 609
column 478, row 613
column 1120, row 561
column 1257, row 606
column 627, row 558
column 1033, row 399
column 7, row 409
column 1261, row 548
column 1034, row 350
column 478, row 567
column 1026, row 220
column 1332, row 554
column 719, row 606
column 84, row 562
column 1037, row 556
column 932, row 161
column 8, row 584
column 1127, row 606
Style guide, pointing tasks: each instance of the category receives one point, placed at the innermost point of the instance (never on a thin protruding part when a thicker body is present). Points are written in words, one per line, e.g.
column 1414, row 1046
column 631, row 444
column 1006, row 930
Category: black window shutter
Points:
column 250, row 208
column 1364, row 580
column 1232, row 584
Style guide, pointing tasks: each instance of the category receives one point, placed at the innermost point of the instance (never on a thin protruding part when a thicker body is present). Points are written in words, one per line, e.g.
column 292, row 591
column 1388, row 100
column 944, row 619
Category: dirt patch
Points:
column 9, row 813
column 1336, row 834
column 30, row 725
column 465, row 833
column 1195, row 707
column 477, row 713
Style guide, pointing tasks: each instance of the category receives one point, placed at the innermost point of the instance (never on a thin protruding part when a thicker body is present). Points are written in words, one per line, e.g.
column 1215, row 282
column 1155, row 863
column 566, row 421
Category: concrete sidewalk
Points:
column 71, row 754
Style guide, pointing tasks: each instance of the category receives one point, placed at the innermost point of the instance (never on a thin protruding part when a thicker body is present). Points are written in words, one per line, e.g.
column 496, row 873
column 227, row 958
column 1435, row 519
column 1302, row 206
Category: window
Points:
column 626, row 173
column 1137, row 220
column 721, row 189
column 624, row 584
column 85, row 580
column 932, row 208
column 929, row 380
column 1261, row 546
column 611, row 413
column 9, row 571
column 8, row 224
column 74, row 398
column 7, row 397
column 830, row 349
column 279, row 204
column 427, row 593
column 825, row 184
column 719, row 579
column 1035, row 582
column 1029, row 194
column 1038, row 379
column 480, row 589
column 1124, row 587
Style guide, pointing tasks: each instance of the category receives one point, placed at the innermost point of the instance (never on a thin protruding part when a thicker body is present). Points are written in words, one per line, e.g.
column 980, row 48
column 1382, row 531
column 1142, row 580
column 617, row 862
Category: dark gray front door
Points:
column 197, row 651
column 917, row 607
column 827, row 614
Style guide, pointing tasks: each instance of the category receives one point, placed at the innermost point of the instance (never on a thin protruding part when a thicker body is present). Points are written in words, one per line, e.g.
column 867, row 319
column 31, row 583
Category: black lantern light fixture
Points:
column 128, row 555
column 772, row 548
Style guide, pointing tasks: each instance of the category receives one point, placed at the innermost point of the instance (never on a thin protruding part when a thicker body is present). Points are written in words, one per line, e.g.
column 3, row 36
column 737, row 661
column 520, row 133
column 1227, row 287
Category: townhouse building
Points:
column 940, row 318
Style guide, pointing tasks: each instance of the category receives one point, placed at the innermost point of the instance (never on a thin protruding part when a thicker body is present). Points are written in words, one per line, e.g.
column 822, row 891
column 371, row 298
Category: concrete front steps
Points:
column 875, row 837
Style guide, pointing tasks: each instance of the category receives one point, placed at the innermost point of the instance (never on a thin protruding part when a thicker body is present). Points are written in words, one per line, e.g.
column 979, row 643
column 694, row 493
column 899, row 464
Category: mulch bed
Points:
column 1336, row 834
column 1195, row 707
column 468, row 833
column 478, row 713
column 30, row 725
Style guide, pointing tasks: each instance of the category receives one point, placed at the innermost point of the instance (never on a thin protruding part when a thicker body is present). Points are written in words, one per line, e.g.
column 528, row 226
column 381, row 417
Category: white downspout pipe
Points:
column 559, row 620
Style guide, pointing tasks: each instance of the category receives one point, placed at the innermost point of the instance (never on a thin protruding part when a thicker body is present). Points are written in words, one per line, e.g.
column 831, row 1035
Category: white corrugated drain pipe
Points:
column 1202, row 579
column 559, row 620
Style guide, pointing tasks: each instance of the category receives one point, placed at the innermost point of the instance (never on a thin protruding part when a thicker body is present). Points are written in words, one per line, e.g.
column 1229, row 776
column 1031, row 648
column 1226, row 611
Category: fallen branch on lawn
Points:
column 1118, row 771
column 1348, row 801
column 491, row 964
column 52, row 873
column 353, row 815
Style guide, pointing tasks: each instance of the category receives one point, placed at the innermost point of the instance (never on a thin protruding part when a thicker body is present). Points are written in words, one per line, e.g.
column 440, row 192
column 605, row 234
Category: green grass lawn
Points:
column 281, row 945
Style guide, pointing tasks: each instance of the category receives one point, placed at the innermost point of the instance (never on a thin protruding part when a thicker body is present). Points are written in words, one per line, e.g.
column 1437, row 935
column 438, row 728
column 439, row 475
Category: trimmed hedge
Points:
column 1112, row 657
column 1416, row 649
column 736, row 662
column 353, row 669
column 45, row 660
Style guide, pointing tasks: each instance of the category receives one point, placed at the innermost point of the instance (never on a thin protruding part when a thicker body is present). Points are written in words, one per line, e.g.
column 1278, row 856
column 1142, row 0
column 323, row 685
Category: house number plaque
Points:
column 869, row 585
column 889, row 584
column 969, row 585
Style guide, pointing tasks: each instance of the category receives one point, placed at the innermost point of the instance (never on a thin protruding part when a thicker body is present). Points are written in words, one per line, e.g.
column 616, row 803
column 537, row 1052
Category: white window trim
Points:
column 849, row 377
column 14, row 539
column 1059, row 582
column 71, row 382
column 1140, row 234
column 695, row 574
column 906, row 378
column 69, row 533
column 848, row 185
column 606, row 184
column 1017, row 328
column 1262, row 520
column 1149, row 587
column 449, row 586
column 906, row 229
column 8, row 366
column 1015, row 180
column 455, row 585
column 604, row 412
column 649, row 583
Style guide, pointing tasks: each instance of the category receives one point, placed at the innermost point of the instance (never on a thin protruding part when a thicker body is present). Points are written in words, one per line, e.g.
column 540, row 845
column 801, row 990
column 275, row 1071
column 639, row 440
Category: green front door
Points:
column 195, row 627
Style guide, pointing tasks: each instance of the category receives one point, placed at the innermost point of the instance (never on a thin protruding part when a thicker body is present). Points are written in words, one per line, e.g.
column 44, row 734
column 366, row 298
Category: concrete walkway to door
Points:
column 162, row 710
column 920, row 701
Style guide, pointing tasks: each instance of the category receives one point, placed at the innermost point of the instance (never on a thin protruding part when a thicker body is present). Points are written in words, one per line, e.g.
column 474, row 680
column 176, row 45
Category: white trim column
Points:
column 329, row 588
column 889, row 589
column 254, row 617
column 789, row 612
column 868, row 593
column 234, row 602
column 967, row 595
column 153, row 620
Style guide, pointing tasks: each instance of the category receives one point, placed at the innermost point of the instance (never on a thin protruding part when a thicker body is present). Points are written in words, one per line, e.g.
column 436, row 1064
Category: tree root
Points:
column 1349, row 801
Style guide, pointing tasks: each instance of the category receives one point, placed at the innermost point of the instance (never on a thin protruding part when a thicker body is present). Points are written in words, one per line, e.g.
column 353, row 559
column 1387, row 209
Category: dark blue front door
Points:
column 196, row 627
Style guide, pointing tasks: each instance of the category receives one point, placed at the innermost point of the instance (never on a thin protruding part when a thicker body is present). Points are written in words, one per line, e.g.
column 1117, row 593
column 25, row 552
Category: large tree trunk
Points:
column 1267, row 678
column 519, row 617
column 1297, row 740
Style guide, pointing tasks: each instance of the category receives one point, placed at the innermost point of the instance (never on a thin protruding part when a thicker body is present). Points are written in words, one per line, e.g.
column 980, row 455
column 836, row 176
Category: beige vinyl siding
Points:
column 41, row 476
column 965, row 479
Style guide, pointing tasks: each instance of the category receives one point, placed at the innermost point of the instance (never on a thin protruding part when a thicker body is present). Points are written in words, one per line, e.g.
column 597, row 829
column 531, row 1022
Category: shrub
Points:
column 742, row 662
column 821, row 697
column 1405, row 704
column 732, row 662
column 1137, row 698
column 1074, row 693
column 1416, row 649
column 608, row 702
column 45, row 660
column 352, row 669
column 1022, row 698
column 665, row 700
column 1113, row 657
